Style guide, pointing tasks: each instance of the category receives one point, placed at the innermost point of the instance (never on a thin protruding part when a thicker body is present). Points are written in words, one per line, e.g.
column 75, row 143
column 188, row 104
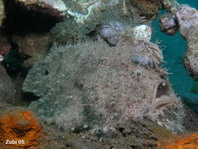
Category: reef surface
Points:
column 92, row 74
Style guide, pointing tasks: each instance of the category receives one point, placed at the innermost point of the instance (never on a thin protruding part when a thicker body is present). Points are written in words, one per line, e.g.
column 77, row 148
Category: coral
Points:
column 84, row 11
column 142, row 32
column 186, row 141
column 20, row 125
column 146, row 54
column 92, row 84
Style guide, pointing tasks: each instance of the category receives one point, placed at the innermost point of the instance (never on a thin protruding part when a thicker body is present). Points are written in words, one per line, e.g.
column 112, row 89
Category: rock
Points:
column 20, row 126
column 33, row 46
column 7, row 89
column 2, row 13
column 191, row 116
column 85, row 10
column 5, row 45
column 92, row 17
column 168, row 24
column 5, row 48
column 1, row 58
column 191, row 56
column 95, row 20
column 93, row 84
column 22, row 16
column 50, row 7
column 170, row 5
column 147, row 8
column 111, row 32
column 4, row 107
column 187, row 18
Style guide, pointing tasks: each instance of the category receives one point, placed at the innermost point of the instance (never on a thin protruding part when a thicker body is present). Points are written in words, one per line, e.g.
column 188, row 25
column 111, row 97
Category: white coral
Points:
column 142, row 32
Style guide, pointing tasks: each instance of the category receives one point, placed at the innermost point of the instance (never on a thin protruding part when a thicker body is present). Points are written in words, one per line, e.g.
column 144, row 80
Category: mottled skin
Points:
column 94, row 84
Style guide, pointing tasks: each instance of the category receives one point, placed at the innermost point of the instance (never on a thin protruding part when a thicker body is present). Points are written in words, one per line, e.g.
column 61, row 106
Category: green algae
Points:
column 195, row 88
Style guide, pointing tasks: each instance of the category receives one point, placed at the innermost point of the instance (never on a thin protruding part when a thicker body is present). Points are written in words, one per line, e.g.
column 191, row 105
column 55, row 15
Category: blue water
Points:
column 174, row 48
column 193, row 3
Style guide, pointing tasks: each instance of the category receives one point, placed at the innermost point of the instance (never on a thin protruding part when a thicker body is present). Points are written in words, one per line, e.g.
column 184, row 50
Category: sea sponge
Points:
column 186, row 141
column 21, row 126
column 147, row 54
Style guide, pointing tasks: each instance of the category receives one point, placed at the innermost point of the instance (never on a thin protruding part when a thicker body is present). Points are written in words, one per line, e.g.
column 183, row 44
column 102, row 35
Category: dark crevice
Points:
column 22, row 20
column 29, row 97
column 163, row 89
column 28, row 19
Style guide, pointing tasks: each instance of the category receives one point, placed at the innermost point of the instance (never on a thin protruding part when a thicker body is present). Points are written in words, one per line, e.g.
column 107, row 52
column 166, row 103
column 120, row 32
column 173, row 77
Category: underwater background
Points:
column 174, row 48
column 98, row 74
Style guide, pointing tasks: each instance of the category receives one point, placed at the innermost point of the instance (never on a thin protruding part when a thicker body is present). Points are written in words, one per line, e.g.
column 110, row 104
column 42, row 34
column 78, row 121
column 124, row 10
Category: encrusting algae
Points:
column 19, row 128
